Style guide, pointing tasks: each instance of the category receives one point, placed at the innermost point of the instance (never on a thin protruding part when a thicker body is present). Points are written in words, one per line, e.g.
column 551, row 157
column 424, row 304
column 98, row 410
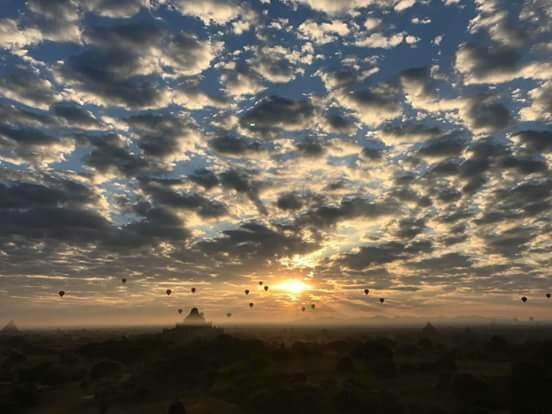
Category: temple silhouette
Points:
column 10, row 329
column 193, row 326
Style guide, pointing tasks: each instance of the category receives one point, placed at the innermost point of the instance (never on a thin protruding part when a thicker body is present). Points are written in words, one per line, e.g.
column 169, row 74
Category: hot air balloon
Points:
column 313, row 306
column 524, row 299
column 168, row 292
column 548, row 295
column 180, row 311
column 251, row 304
column 382, row 300
column 303, row 309
column 366, row 291
column 123, row 280
column 246, row 291
column 193, row 290
column 228, row 315
column 266, row 288
column 61, row 293
column 260, row 283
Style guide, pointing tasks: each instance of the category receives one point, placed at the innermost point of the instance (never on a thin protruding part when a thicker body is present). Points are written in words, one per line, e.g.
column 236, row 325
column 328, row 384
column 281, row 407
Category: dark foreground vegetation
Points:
column 280, row 371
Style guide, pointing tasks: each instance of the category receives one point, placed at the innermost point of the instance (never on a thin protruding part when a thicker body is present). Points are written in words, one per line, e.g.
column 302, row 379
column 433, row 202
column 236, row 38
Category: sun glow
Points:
column 293, row 286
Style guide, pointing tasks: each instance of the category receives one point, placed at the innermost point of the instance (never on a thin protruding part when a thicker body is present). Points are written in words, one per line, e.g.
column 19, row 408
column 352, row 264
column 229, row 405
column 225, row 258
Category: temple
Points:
column 10, row 329
column 193, row 326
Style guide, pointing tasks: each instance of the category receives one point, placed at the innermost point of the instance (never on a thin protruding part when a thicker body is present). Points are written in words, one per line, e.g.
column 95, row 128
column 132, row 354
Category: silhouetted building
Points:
column 429, row 331
column 195, row 318
column 10, row 329
column 193, row 326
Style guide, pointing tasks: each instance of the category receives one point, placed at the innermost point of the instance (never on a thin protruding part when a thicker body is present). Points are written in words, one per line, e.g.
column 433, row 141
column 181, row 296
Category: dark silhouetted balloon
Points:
column 251, row 304
column 228, row 315
column 61, row 293
column 123, row 280
column 366, row 291
column 168, row 292
column 382, row 300
column 313, row 306
column 548, row 295
column 180, row 311
column 260, row 283
column 266, row 288
column 246, row 291
column 524, row 299
column 531, row 318
column 303, row 309
column 193, row 290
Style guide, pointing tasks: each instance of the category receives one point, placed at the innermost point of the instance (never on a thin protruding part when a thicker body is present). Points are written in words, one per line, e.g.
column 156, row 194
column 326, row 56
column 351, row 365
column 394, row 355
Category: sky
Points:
column 323, row 147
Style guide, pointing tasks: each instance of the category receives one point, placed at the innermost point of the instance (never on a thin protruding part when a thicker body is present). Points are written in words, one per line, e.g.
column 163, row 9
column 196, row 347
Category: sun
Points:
column 293, row 286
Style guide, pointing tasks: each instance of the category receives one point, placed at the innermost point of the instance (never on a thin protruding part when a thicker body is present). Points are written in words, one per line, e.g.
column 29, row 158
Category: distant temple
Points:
column 10, row 329
column 193, row 326
column 195, row 318
column 429, row 331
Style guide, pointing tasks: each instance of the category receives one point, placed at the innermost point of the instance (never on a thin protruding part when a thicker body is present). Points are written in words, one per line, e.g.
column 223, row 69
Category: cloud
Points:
column 59, row 192
column 289, row 201
column 74, row 115
column 540, row 108
column 408, row 133
column 277, row 113
column 341, row 7
column 324, row 32
column 445, row 263
column 348, row 209
column 345, row 76
column 241, row 182
column 212, row 11
column 58, row 20
column 497, row 64
column 447, row 145
column 540, row 141
column 204, row 178
column 253, row 244
column 227, row 144
column 157, row 225
column 488, row 115
column 117, row 8
column 310, row 148
column 402, row 5
column 381, row 41
column 371, row 23
column 161, row 194
column 164, row 137
column 67, row 224
column 14, row 84
column 21, row 144
column 278, row 64
column 111, row 155
column 121, row 63
column 383, row 253
column 14, row 38
column 240, row 79
column 150, row 47
column 373, row 105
